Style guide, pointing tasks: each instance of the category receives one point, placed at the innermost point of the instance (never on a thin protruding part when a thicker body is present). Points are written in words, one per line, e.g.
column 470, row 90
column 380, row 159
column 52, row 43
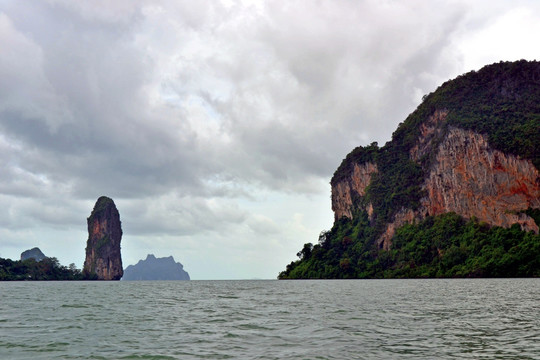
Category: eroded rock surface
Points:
column 344, row 192
column 103, row 258
column 465, row 176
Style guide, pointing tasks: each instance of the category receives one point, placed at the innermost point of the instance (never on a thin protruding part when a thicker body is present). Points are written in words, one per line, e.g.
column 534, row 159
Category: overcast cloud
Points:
column 215, row 126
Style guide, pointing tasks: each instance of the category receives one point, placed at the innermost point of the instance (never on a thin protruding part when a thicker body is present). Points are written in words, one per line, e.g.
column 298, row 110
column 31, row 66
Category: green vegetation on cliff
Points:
column 441, row 246
column 501, row 101
column 100, row 207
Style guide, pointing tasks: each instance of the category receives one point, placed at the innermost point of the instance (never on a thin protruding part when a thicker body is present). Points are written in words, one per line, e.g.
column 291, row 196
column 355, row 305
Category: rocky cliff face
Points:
column 470, row 178
column 465, row 175
column 350, row 188
column 462, row 170
column 103, row 258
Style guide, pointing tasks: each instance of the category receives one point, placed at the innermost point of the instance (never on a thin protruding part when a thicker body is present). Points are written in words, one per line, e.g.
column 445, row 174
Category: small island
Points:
column 153, row 268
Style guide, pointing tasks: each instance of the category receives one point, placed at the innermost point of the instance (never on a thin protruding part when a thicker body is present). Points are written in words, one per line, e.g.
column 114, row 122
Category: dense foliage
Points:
column 500, row 100
column 441, row 246
column 30, row 269
column 100, row 207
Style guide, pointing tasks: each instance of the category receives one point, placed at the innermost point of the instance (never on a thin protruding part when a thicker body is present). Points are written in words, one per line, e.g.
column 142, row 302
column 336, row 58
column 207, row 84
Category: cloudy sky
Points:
column 215, row 126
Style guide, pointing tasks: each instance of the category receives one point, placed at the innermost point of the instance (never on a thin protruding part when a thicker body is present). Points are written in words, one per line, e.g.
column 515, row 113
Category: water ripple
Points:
column 387, row 319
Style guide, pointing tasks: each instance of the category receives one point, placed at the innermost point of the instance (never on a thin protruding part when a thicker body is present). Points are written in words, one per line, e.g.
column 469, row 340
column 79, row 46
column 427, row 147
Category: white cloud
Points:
column 510, row 36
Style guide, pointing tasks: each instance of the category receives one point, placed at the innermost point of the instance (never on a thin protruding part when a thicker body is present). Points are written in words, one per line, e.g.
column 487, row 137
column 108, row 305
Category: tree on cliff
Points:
column 103, row 259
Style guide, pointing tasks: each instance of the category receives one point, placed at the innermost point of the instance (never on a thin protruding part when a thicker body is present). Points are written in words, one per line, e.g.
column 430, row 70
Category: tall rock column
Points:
column 103, row 259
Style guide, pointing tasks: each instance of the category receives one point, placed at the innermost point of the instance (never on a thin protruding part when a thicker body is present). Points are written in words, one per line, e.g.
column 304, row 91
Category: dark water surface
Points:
column 358, row 319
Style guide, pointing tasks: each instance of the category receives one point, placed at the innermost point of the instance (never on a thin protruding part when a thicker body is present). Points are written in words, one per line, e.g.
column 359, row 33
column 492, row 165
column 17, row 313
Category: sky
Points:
column 215, row 126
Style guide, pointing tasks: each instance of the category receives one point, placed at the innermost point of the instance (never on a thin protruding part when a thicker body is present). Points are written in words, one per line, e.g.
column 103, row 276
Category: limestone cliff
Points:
column 455, row 193
column 466, row 176
column 472, row 179
column 462, row 171
column 103, row 259
column 350, row 188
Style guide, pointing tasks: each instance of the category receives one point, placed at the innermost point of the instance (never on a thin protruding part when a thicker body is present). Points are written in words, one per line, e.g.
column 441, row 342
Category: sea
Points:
column 271, row 319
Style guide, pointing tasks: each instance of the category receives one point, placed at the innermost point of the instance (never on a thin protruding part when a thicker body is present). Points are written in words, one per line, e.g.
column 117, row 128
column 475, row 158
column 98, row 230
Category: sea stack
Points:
column 103, row 259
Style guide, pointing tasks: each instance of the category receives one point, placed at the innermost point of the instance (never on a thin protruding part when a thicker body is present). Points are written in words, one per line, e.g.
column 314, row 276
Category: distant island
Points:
column 153, row 268
column 103, row 259
column 34, row 253
column 455, row 193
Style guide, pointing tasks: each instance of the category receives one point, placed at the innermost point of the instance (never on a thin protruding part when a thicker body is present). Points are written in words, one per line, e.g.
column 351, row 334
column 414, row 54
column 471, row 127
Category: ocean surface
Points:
column 336, row 319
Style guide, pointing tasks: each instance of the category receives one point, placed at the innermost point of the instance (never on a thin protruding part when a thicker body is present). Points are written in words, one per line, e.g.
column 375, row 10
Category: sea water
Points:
column 352, row 319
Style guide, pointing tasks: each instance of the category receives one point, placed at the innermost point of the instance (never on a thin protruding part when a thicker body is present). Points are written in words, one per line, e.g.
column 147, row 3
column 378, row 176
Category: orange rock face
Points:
column 467, row 177
column 103, row 258
column 343, row 192
column 471, row 179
